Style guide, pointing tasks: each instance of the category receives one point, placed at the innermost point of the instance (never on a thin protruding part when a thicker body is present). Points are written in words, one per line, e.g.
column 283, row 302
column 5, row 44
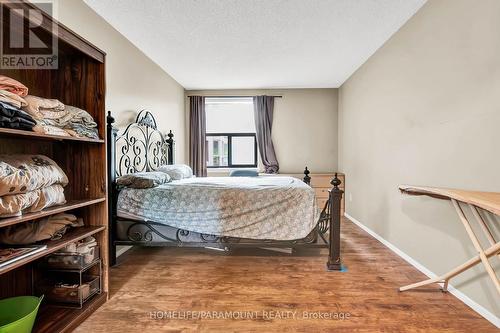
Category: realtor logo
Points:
column 27, row 37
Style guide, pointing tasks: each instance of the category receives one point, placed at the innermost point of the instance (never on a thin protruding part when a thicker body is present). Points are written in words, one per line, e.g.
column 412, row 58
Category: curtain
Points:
column 197, row 133
column 263, row 113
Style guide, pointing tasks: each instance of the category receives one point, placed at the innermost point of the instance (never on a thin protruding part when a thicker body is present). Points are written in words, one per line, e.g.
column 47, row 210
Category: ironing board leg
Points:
column 482, row 256
column 454, row 272
column 477, row 245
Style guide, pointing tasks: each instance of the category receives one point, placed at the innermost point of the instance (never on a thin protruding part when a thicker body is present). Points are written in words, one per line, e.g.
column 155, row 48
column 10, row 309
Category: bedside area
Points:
column 320, row 182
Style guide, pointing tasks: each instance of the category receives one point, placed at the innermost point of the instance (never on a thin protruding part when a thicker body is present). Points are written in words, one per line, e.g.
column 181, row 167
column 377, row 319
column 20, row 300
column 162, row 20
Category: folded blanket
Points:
column 78, row 116
column 81, row 131
column 16, row 123
column 76, row 121
column 44, row 108
column 10, row 111
column 42, row 127
column 52, row 227
column 12, row 117
column 13, row 86
column 13, row 99
column 25, row 173
column 33, row 201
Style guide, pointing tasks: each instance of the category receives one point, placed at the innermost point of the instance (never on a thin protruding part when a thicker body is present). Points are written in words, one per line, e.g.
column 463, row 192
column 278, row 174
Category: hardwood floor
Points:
column 169, row 282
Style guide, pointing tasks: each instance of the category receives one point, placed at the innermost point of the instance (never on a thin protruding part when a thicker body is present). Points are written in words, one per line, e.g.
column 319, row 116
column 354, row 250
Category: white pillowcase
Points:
column 177, row 171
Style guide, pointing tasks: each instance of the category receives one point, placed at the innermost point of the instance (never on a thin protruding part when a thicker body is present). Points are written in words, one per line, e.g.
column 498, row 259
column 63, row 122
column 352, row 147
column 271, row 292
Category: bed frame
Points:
column 142, row 147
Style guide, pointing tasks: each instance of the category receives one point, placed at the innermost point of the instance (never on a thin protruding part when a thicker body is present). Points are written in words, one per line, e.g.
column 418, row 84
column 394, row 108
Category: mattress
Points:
column 277, row 208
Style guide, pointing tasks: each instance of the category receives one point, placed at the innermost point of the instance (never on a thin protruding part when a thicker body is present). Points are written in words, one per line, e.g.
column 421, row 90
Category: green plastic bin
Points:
column 17, row 314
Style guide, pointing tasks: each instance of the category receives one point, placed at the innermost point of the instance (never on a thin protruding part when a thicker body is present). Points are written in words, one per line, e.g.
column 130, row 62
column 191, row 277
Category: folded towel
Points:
column 13, row 86
column 44, row 108
column 13, row 99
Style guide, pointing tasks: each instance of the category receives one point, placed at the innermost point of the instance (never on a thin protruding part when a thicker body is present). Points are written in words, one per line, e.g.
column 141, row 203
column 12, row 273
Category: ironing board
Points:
column 488, row 201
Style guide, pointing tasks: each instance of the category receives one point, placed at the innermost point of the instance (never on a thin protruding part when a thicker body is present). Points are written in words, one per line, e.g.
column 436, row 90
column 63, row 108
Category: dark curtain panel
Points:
column 197, row 133
column 263, row 112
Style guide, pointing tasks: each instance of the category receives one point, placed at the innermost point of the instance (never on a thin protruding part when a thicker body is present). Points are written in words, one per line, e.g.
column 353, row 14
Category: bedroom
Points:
column 384, row 93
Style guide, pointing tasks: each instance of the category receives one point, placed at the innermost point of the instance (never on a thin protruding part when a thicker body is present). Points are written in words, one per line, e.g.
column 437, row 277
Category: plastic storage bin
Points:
column 17, row 314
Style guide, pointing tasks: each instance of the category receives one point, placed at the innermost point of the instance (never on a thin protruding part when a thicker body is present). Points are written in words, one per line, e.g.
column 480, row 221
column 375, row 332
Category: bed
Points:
column 211, row 212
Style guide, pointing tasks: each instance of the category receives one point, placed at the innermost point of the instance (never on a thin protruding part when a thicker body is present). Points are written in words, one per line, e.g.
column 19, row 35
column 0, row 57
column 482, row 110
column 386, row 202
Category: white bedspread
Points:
column 278, row 208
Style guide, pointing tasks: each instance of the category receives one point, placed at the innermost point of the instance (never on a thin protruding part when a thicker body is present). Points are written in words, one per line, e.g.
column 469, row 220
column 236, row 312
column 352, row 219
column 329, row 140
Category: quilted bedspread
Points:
column 278, row 208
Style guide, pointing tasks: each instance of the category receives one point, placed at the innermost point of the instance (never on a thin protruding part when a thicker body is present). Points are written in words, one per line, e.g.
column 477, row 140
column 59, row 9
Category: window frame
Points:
column 229, row 150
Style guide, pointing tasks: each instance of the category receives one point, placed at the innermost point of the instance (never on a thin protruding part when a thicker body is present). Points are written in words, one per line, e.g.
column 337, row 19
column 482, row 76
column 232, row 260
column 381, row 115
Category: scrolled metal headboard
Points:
column 140, row 147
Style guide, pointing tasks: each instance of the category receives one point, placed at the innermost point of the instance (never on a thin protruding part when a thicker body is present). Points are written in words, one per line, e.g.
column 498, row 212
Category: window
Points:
column 231, row 140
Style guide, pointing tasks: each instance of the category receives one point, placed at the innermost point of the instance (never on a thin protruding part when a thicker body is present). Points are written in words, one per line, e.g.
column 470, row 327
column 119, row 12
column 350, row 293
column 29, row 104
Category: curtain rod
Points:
column 235, row 96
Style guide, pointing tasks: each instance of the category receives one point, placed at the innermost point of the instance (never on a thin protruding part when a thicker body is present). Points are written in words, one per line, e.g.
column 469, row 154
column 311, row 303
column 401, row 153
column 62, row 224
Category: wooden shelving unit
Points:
column 79, row 81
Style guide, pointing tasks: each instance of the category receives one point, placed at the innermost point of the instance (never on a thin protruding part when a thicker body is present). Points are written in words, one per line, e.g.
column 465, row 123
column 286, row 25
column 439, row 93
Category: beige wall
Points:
column 425, row 109
column 133, row 81
column 304, row 126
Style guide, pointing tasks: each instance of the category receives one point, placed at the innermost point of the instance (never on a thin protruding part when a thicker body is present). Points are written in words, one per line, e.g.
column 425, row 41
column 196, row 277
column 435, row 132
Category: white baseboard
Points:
column 455, row 292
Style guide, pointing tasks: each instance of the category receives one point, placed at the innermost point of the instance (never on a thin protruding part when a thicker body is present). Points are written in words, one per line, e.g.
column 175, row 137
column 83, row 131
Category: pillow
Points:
column 243, row 173
column 26, row 173
column 143, row 179
column 177, row 171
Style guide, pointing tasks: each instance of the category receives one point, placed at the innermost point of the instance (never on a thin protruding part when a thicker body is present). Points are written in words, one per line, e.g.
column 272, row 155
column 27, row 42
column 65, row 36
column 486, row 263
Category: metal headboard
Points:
column 141, row 146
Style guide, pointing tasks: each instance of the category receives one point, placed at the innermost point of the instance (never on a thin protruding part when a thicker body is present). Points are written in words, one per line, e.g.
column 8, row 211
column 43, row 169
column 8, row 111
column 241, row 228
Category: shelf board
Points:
column 71, row 236
column 17, row 133
column 69, row 205
column 53, row 319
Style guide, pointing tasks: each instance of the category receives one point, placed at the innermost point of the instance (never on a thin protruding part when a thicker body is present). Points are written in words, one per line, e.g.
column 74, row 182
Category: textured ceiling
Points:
column 237, row 44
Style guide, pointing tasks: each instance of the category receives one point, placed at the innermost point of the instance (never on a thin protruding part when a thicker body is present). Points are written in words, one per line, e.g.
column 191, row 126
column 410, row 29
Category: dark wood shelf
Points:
column 78, row 80
column 71, row 236
column 69, row 205
column 17, row 133
column 52, row 319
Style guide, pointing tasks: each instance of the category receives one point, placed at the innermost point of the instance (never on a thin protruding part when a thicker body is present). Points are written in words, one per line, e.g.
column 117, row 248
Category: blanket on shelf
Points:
column 25, row 173
column 15, row 118
column 33, row 201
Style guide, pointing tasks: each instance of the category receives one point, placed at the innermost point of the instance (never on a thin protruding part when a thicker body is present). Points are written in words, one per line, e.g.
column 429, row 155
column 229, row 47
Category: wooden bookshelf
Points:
column 79, row 81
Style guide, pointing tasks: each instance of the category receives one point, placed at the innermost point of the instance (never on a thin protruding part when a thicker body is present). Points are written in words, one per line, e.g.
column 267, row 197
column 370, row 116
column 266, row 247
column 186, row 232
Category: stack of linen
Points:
column 29, row 183
column 52, row 227
column 46, row 116
column 11, row 102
